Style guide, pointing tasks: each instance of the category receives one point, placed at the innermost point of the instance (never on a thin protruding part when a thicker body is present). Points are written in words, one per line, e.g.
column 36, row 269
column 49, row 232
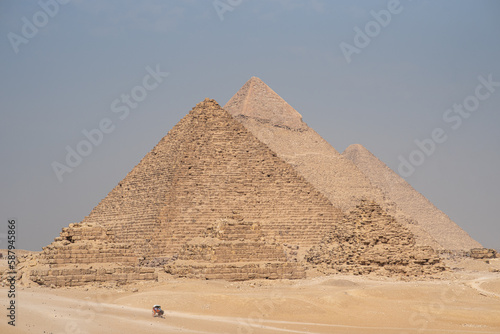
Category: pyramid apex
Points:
column 258, row 101
column 356, row 148
column 354, row 152
column 207, row 103
column 255, row 79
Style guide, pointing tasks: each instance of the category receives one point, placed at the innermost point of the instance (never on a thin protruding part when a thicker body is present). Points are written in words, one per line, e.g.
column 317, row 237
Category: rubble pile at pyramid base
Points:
column 373, row 242
column 483, row 253
column 236, row 250
column 86, row 253
column 422, row 213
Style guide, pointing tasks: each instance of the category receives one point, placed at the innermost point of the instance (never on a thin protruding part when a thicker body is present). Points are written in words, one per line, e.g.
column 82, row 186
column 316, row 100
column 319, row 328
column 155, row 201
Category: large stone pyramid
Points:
column 345, row 179
column 211, row 200
column 208, row 169
column 447, row 233
column 256, row 105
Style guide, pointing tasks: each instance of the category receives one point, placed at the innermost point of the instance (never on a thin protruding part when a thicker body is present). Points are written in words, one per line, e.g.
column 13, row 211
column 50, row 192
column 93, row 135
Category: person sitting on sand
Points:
column 157, row 311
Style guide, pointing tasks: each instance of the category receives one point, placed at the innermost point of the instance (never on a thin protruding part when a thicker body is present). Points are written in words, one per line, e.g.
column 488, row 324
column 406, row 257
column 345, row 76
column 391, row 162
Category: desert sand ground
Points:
column 465, row 301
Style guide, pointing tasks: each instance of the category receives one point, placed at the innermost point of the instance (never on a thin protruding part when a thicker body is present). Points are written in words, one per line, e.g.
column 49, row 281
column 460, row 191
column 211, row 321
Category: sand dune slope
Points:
column 338, row 304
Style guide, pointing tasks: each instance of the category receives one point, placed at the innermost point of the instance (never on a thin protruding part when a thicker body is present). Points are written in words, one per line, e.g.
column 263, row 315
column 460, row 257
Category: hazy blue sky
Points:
column 66, row 69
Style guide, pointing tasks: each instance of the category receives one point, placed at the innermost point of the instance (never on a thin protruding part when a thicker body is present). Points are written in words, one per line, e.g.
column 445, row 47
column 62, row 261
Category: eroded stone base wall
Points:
column 79, row 276
column 86, row 253
column 238, row 271
column 234, row 250
column 83, row 243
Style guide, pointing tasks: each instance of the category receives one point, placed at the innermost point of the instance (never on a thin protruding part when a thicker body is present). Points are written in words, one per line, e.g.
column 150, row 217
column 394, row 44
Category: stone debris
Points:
column 414, row 205
column 370, row 241
column 483, row 253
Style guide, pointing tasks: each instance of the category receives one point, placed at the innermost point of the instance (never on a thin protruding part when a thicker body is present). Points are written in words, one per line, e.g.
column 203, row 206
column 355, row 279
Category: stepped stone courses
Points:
column 210, row 167
column 82, row 276
column 235, row 250
column 85, row 253
column 87, row 243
